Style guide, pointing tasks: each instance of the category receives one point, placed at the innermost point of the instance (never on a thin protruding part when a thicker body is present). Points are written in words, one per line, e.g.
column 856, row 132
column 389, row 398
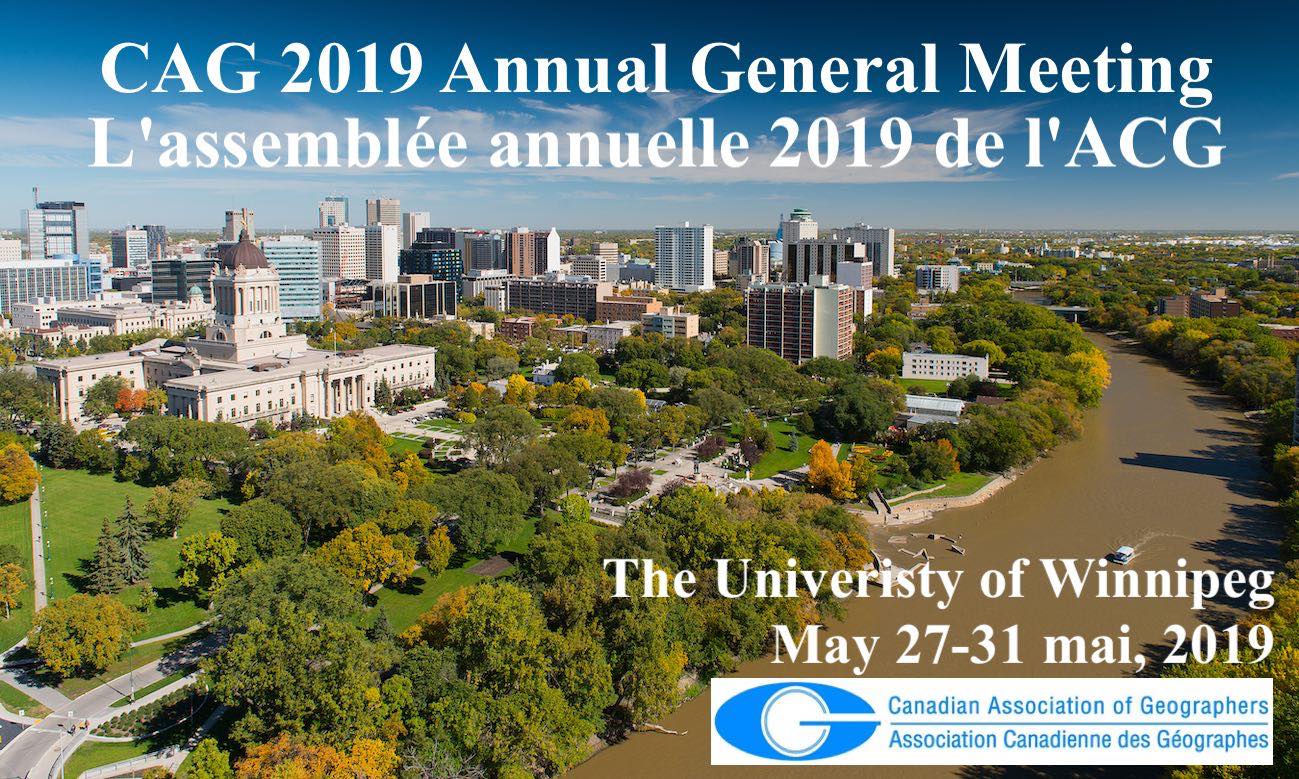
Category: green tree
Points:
column 295, row 672
column 383, row 394
column 499, row 432
column 643, row 374
column 58, row 445
column 208, row 761
column 108, row 572
column 82, row 634
column 261, row 529
column 205, row 560
column 577, row 364
column 438, row 550
column 169, row 507
column 860, row 408
column 254, row 592
column 487, row 506
column 131, row 537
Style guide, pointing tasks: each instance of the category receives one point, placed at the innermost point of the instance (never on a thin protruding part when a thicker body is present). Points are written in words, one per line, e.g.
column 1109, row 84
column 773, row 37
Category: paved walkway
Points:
column 40, row 583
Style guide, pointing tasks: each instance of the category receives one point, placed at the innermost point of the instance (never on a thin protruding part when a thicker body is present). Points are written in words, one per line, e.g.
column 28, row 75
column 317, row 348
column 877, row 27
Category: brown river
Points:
column 1166, row 465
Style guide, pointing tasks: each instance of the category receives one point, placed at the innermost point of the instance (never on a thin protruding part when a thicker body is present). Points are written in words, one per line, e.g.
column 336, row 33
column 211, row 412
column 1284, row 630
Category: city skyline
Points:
column 45, row 140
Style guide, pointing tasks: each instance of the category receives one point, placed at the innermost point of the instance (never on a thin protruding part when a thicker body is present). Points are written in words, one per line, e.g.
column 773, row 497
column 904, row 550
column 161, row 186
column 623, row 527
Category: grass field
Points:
column 936, row 386
column 956, row 485
column 402, row 446
column 76, row 503
column 782, row 458
column 403, row 606
column 15, row 700
column 16, row 530
column 93, row 754
column 447, row 425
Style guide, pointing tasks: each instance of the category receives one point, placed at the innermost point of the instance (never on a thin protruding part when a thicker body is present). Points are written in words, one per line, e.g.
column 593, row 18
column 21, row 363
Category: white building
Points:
column 683, row 257
column 342, row 251
column 595, row 266
column 411, row 223
column 246, row 368
column 11, row 250
column 382, row 247
column 944, row 367
column 938, row 278
column 173, row 316
column 607, row 336
column 924, row 409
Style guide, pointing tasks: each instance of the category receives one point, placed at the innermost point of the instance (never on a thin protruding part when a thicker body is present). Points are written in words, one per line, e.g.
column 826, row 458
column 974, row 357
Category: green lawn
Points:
column 400, row 447
column 93, row 754
column 15, row 700
column 781, row 458
column 76, row 504
column 956, row 485
column 403, row 606
column 936, row 386
column 16, row 530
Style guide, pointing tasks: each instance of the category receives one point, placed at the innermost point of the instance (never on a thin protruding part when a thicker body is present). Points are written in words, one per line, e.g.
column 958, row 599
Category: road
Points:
column 35, row 752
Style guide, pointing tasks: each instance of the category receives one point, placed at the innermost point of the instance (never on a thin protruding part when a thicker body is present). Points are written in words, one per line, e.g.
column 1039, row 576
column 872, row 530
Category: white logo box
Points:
column 950, row 721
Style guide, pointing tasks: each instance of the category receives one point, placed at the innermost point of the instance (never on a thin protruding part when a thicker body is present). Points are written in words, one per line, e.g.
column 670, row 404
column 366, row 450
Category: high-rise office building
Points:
column 130, row 247
column 342, row 251
column 433, row 254
column 236, row 222
column 879, row 246
column 55, row 228
column 683, row 257
column 174, row 277
column 382, row 247
column 801, row 321
column 413, row 297
column 482, row 251
column 334, row 211
column 411, row 223
column 297, row 259
column 383, row 210
column 25, row 281
column 157, row 240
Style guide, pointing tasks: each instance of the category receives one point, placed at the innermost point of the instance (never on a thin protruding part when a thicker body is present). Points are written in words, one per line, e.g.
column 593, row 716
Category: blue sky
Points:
column 51, row 72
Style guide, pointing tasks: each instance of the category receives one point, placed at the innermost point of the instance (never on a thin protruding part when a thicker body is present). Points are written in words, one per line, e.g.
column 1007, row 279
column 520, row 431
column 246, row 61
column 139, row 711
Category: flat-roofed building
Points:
column 625, row 308
column 801, row 321
column 938, row 278
column 810, row 260
column 517, row 328
column 944, row 367
column 413, row 297
column 558, row 294
column 671, row 323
